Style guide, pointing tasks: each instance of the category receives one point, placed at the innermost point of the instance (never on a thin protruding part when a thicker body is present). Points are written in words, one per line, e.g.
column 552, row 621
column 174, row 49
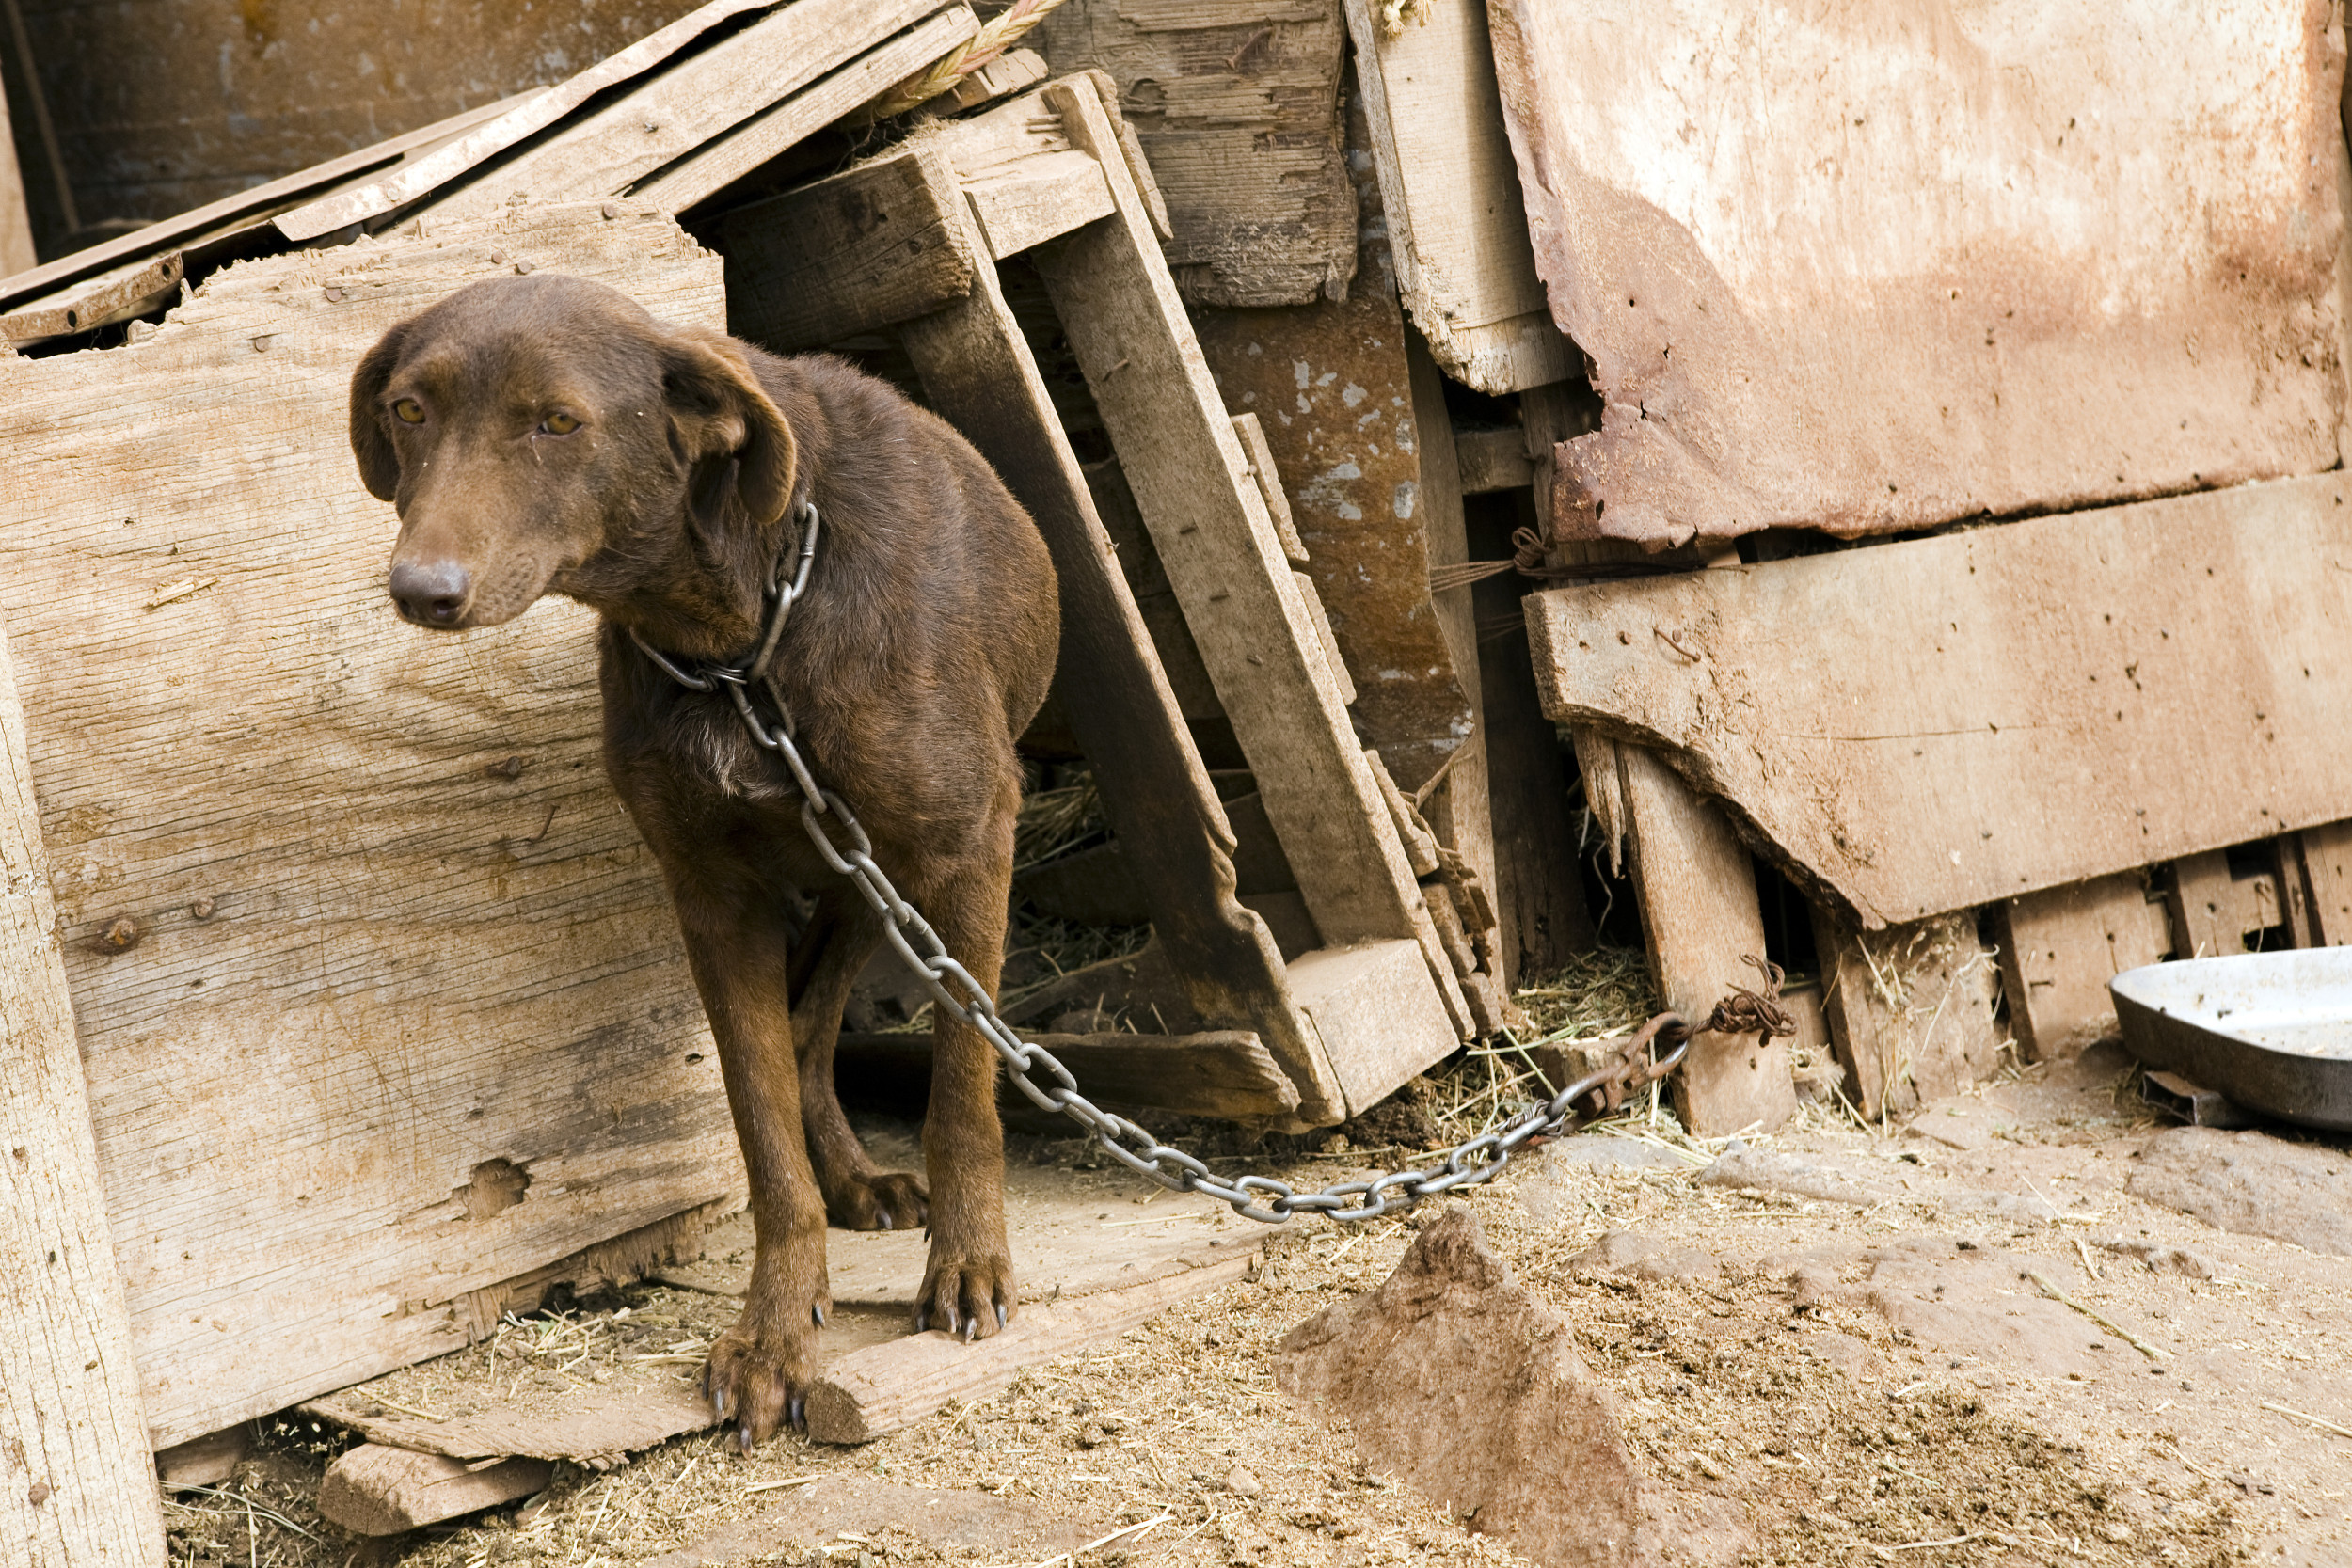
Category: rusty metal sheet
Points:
column 1877, row 268
column 1332, row 388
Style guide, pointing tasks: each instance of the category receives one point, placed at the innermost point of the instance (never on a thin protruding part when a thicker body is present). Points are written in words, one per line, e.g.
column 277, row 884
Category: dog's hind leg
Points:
column 759, row 1370
column 841, row 937
column 967, row 1283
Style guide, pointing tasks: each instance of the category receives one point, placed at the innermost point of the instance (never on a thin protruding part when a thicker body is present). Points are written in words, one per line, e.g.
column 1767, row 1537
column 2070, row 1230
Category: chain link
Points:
column 951, row 986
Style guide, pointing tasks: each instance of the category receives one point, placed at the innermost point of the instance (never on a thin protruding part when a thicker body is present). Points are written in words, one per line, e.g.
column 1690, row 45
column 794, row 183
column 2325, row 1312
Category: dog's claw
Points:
column 971, row 1326
column 743, row 1438
column 922, row 1319
column 883, row 1215
column 795, row 1413
column 816, row 1310
column 1000, row 1314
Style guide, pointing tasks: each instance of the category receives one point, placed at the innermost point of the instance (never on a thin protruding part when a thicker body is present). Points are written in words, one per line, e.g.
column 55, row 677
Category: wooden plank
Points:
column 1909, row 1009
column 977, row 373
column 675, row 113
column 1007, row 73
column 1375, row 1013
column 77, row 1482
column 1950, row 721
column 1235, row 103
column 1222, row 1072
column 2327, row 866
column 874, row 1392
column 95, row 302
column 1457, row 229
column 1457, row 800
column 372, row 1490
column 1492, row 460
column 2061, row 948
column 509, row 129
column 1702, row 921
column 1857, row 312
column 1177, row 447
column 2213, row 911
column 365, row 969
column 725, row 159
column 1025, row 204
column 1265, row 471
column 869, row 246
column 253, row 206
column 1330, row 387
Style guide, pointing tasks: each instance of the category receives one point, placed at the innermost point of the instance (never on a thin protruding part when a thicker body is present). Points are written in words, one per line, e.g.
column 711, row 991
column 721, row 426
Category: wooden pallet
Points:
column 910, row 241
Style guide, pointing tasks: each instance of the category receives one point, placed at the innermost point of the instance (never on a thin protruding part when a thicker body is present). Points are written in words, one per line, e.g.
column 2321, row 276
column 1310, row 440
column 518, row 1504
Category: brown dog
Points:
column 545, row 435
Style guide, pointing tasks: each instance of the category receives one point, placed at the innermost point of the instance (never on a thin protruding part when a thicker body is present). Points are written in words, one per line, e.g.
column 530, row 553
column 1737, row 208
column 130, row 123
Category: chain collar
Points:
column 781, row 597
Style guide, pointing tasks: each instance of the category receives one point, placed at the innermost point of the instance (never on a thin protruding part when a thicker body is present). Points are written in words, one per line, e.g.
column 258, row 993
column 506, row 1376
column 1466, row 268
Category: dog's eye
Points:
column 559, row 424
column 409, row 410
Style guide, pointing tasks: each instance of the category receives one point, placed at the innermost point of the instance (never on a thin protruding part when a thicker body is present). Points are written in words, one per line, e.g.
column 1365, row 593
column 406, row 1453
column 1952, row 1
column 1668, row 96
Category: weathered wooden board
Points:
column 1191, row 481
column 399, row 958
column 1909, row 1009
column 158, row 108
column 671, row 114
column 1457, row 229
column 251, row 206
column 1946, row 723
column 1879, row 269
column 374, row 1490
column 512, row 128
column 1081, row 1239
column 728, row 157
column 1702, row 923
column 2061, row 948
column 2327, row 868
column 1332, row 388
column 1236, row 106
column 873, row 245
column 77, row 1482
column 979, row 374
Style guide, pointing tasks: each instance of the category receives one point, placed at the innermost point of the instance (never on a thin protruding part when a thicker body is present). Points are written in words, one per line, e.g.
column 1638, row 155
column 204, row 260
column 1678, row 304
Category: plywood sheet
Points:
column 386, row 954
column 1873, row 268
column 1236, row 103
column 1941, row 723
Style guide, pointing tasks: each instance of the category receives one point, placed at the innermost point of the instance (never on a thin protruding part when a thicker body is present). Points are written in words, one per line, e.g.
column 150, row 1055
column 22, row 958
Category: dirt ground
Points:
column 1840, row 1357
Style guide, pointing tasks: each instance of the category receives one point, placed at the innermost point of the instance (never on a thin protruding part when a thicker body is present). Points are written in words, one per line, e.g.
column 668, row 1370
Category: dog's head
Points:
column 533, row 432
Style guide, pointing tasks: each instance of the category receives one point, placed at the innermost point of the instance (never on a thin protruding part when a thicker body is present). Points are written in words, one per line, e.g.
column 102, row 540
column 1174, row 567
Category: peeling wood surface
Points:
column 1331, row 387
column 2058, row 950
column 392, row 927
column 1236, row 106
column 1895, row 267
column 1945, row 722
column 76, row 1482
column 1457, row 224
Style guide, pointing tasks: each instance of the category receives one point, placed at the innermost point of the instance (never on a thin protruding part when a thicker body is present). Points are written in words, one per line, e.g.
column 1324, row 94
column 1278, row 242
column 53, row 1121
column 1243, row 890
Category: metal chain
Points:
column 1258, row 1197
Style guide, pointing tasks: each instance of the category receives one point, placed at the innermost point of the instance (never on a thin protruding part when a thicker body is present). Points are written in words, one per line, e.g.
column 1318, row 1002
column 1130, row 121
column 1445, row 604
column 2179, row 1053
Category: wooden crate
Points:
column 1046, row 176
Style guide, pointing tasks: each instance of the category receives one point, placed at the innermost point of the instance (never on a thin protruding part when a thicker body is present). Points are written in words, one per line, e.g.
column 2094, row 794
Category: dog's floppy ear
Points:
column 380, row 464
column 726, row 427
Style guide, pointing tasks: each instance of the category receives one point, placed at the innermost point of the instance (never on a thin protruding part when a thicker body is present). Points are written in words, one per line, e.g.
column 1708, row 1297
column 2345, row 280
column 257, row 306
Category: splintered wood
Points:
column 380, row 1000
column 1876, row 269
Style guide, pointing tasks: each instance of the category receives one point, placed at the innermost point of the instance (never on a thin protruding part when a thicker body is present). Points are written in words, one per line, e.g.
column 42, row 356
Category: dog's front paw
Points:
column 757, row 1381
column 885, row 1200
column 969, row 1297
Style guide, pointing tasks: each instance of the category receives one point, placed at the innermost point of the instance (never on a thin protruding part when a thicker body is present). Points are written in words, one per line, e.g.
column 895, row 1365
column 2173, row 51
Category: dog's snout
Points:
column 431, row 593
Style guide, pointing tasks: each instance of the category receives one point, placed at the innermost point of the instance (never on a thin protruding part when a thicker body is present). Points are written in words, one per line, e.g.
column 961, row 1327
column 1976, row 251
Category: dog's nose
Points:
column 431, row 594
